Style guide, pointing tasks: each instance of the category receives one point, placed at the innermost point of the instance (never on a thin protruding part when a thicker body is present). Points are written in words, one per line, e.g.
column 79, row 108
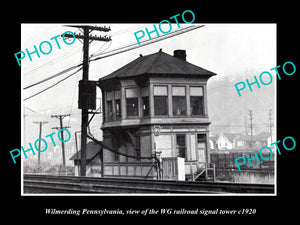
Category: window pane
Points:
column 201, row 138
column 110, row 113
column 118, row 108
column 196, row 91
column 132, row 107
column 178, row 91
column 196, row 105
column 179, row 105
column 145, row 106
column 160, row 105
column 160, row 90
column 131, row 92
column 180, row 145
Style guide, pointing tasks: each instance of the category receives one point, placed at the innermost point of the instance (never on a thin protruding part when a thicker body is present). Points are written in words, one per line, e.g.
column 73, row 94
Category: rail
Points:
column 34, row 183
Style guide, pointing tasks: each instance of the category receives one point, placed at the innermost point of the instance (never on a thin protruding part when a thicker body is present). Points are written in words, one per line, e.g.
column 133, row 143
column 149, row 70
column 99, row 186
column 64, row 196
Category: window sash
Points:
column 178, row 91
column 160, row 90
column 181, row 145
column 132, row 108
column 179, row 105
column 131, row 92
column 145, row 106
column 196, row 91
column 110, row 112
column 197, row 105
column 160, row 105
column 118, row 108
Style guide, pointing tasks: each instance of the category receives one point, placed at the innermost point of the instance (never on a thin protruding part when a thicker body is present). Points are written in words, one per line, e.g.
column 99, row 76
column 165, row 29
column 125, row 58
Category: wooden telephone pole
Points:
column 61, row 117
column 83, row 98
column 251, row 127
column 270, row 124
column 41, row 123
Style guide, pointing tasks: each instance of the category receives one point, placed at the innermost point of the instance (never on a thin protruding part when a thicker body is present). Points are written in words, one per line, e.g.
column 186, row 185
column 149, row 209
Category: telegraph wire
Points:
column 53, row 76
column 114, row 52
column 174, row 33
column 144, row 43
column 75, row 49
column 53, row 85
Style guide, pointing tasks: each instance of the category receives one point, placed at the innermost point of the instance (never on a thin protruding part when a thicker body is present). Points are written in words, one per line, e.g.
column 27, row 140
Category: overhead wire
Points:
column 113, row 52
column 144, row 43
column 53, row 85
column 71, row 51
column 67, row 52
column 53, row 76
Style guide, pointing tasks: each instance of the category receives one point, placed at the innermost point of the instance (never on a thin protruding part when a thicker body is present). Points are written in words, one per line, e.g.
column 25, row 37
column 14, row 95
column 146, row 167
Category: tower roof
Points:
column 159, row 63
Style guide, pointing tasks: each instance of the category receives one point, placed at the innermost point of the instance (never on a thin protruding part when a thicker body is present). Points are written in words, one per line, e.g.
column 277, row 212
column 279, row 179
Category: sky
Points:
column 233, row 51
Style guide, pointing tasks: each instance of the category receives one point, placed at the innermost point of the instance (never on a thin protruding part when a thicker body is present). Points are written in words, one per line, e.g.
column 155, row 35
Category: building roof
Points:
column 158, row 63
column 231, row 136
column 92, row 149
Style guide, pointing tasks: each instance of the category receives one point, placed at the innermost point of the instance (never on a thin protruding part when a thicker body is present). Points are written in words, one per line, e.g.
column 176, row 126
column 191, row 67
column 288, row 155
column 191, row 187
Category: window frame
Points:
column 148, row 106
column 180, row 148
column 118, row 113
column 110, row 113
column 202, row 102
column 136, row 107
column 167, row 101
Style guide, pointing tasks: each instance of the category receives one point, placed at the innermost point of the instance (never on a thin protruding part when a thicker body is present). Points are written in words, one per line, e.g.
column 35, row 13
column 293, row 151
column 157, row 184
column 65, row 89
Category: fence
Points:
column 226, row 169
column 227, row 161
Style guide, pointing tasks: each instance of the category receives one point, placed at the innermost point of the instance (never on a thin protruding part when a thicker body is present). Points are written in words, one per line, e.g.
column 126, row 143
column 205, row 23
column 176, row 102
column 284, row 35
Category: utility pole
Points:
column 61, row 117
column 246, row 126
column 41, row 123
column 251, row 126
column 270, row 123
column 85, row 77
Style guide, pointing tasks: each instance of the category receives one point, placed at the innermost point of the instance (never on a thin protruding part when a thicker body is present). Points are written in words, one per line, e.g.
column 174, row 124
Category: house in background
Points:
column 237, row 141
column 225, row 141
column 156, row 105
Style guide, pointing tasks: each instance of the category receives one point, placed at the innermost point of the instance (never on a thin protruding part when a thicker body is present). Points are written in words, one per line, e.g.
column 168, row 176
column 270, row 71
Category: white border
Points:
column 229, row 194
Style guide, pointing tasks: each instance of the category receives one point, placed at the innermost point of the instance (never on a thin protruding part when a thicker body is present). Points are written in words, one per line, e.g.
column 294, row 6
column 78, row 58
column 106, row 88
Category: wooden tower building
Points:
column 156, row 105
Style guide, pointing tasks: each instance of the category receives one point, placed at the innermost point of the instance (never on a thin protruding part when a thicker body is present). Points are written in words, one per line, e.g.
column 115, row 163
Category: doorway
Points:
column 201, row 147
column 181, row 145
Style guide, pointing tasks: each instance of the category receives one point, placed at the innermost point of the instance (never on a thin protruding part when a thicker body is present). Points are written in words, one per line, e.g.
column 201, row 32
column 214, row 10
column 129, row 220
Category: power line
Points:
column 53, row 76
column 75, row 49
column 52, row 85
column 144, row 43
column 134, row 46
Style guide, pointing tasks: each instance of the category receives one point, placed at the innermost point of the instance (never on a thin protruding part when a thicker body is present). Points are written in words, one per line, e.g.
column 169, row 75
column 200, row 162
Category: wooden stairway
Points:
column 205, row 172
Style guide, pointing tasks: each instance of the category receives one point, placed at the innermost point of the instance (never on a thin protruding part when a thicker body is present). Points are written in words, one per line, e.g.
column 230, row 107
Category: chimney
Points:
column 179, row 53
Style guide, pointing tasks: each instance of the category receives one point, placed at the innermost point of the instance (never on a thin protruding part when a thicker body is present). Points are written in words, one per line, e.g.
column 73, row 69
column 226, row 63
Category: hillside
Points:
column 229, row 112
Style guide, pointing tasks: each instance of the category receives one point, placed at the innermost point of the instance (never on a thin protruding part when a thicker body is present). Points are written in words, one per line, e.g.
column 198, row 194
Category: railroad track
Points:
column 34, row 183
